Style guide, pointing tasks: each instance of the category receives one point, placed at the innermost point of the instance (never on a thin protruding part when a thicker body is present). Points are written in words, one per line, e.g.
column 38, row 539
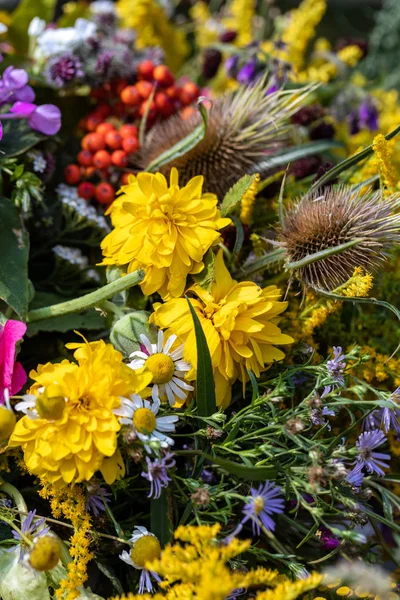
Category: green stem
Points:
column 311, row 258
column 87, row 301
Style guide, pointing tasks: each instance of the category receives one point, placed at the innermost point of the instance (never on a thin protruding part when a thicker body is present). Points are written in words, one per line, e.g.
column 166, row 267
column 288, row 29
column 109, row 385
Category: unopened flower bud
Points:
column 295, row 425
column 51, row 404
column 125, row 333
column 7, row 422
column 201, row 497
column 45, row 553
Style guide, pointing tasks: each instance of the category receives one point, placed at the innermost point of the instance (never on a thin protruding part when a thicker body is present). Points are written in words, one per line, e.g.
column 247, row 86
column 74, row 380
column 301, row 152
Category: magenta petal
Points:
column 10, row 334
column 1, row 131
column 46, row 119
column 23, row 108
column 19, row 379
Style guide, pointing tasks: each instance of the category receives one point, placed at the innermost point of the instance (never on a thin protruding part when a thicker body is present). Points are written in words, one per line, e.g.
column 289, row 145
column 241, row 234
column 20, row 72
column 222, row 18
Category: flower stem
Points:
column 87, row 301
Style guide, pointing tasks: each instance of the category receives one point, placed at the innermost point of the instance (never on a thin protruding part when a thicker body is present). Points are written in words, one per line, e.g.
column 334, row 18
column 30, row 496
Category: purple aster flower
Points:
column 356, row 476
column 368, row 116
column 14, row 86
column 208, row 476
column 63, row 69
column 248, row 73
column 387, row 418
column 236, row 594
column 317, row 416
column 372, row 461
column 103, row 63
column 265, row 501
column 30, row 528
column 329, row 541
column 231, row 65
column 337, row 365
column 97, row 498
column 157, row 473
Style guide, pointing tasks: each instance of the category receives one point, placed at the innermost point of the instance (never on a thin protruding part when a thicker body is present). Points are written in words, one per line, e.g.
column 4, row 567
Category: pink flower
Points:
column 12, row 374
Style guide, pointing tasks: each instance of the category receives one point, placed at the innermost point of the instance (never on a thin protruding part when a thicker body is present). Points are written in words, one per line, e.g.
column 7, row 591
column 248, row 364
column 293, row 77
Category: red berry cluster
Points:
column 108, row 144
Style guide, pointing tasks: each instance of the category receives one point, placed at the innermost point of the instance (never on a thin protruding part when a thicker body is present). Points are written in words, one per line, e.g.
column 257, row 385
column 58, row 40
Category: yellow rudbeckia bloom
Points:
column 79, row 434
column 165, row 230
column 238, row 322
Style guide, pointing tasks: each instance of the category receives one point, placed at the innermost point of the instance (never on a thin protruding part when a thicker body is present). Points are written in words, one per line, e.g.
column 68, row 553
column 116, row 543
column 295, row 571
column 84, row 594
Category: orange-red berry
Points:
column 128, row 130
column 144, row 88
column 187, row 112
column 95, row 142
column 105, row 193
column 114, row 140
column 93, row 121
column 164, row 104
column 102, row 159
column 85, row 158
column 163, row 76
column 145, row 70
column 105, row 128
column 72, row 174
column 131, row 96
column 86, row 190
column 150, row 110
column 130, row 144
column 125, row 177
column 191, row 88
column 119, row 158
column 172, row 92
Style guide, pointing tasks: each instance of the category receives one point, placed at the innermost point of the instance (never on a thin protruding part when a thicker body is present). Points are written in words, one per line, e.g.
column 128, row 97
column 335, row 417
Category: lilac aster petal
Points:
column 15, row 79
column 25, row 94
column 23, row 108
column 46, row 119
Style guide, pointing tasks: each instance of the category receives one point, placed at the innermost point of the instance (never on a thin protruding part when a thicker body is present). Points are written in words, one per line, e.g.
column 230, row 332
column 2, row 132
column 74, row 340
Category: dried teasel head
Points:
column 244, row 129
column 336, row 216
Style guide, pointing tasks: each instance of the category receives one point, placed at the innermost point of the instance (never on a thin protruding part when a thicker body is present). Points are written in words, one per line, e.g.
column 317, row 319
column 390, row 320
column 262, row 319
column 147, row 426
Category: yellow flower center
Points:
column 50, row 405
column 146, row 549
column 45, row 554
column 144, row 420
column 161, row 367
column 7, row 422
column 258, row 504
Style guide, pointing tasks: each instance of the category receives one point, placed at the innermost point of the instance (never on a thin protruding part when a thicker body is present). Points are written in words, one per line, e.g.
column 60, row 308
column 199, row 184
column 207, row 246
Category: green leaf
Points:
column 14, row 252
column 183, row 146
column 91, row 320
column 207, row 276
column 254, row 385
column 245, row 472
column 205, row 389
column 160, row 520
column 239, row 238
column 350, row 162
column 23, row 15
column 236, row 193
column 18, row 138
column 296, row 152
column 311, row 258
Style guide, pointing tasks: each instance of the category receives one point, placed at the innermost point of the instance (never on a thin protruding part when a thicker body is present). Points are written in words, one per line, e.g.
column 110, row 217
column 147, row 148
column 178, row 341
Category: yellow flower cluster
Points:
column 205, row 33
column 197, row 569
column 249, row 197
column 165, row 230
column 380, row 367
column 153, row 28
column 73, row 444
column 70, row 503
column 241, row 20
column 238, row 320
column 383, row 153
column 300, row 30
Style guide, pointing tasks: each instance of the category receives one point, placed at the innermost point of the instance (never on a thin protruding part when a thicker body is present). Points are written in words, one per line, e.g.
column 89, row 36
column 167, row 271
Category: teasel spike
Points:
column 348, row 227
column 244, row 128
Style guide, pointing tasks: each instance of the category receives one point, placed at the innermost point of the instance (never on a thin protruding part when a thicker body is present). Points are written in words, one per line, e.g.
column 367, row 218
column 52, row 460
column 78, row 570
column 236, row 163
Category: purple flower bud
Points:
column 247, row 73
column 231, row 64
column 1, row 131
column 25, row 94
column 15, row 79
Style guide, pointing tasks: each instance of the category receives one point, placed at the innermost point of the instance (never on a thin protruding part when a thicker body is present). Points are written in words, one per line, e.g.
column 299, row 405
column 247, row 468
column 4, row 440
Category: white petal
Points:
column 160, row 340
column 182, row 384
column 156, row 406
column 125, row 421
column 137, row 401
column 182, row 365
column 177, row 354
column 137, row 363
column 170, row 396
column 177, row 390
column 139, row 354
column 154, row 393
column 146, row 343
column 169, row 343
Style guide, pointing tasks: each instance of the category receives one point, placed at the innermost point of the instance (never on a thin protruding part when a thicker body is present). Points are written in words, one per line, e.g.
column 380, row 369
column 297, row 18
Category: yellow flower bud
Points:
column 7, row 422
column 50, row 405
column 45, row 553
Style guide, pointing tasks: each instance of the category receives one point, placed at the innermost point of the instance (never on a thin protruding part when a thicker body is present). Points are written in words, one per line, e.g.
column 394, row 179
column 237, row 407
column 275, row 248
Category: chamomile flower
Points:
column 142, row 414
column 145, row 548
column 167, row 367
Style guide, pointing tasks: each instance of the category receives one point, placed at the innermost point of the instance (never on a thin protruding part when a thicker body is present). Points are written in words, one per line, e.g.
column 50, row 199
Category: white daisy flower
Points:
column 145, row 548
column 168, row 368
column 28, row 406
column 148, row 427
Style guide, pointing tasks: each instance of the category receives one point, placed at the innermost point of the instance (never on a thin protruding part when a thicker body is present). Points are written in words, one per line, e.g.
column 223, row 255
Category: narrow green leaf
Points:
column 350, row 162
column 239, row 238
column 254, row 385
column 183, row 146
column 311, row 258
column 247, row 473
column 160, row 520
column 207, row 276
column 205, row 389
column 14, row 252
column 235, row 194
column 296, row 152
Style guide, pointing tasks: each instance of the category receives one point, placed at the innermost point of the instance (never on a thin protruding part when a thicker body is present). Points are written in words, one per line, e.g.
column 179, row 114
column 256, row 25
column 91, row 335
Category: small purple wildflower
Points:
column 329, row 541
column 231, row 65
column 265, row 501
column 96, row 499
column 207, row 476
column 103, row 63
column 372, row 461
column 337, row 365
column 387, row 418
column 64, row 69
column 31, row 528
column 355, row 477
column 248, row 73
column 317, row 416
column 157, row 473
column 368, row 116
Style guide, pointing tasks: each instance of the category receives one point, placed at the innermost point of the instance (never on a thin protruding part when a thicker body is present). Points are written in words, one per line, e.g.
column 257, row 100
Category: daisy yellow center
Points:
column 45, row 553
column 144, row 420
column 146, row 549
column 258, row 505
column 161, row 367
